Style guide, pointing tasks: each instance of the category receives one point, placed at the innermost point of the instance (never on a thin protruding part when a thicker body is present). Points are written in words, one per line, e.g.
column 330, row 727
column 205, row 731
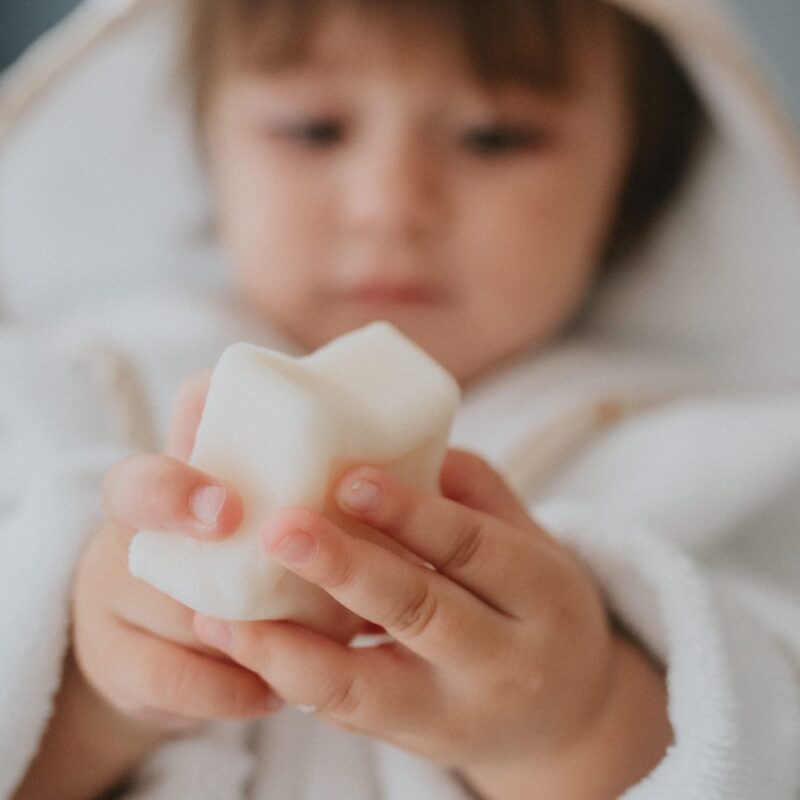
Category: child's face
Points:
column 369, row 184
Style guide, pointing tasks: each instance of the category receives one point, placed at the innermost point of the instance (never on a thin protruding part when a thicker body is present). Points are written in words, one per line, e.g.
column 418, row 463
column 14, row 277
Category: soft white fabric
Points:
column 652, row 505
column 120, row 96
column 685, row 509
column 56, row 440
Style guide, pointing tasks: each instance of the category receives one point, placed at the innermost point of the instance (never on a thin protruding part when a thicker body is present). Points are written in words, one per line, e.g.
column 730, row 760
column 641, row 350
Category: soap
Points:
column 281, row 431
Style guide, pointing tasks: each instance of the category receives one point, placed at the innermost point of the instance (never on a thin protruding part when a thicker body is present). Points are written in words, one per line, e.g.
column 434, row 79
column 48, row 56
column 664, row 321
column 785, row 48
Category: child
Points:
column 470, row 173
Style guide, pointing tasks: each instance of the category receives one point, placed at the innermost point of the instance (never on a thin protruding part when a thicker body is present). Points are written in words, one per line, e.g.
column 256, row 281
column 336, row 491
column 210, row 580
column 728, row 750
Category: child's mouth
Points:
column 393, row 293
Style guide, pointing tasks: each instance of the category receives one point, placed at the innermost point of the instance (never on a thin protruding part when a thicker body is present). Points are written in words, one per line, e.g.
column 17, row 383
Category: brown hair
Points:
column 520, row 41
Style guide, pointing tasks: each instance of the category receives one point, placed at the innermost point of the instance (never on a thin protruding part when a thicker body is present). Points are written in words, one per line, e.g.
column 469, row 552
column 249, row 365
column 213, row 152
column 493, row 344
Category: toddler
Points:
column 470, row 172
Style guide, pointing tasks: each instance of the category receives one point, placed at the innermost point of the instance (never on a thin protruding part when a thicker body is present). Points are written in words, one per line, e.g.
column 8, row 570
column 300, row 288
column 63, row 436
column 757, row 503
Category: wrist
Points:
column 121, row 729
column 88, row 747
column 628, row 739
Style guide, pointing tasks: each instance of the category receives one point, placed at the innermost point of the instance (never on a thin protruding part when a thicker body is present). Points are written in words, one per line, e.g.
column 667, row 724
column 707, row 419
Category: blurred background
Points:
column 773, row 24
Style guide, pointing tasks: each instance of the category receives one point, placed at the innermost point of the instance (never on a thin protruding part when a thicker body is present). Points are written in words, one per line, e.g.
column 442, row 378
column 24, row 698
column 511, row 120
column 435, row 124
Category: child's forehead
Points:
column 337, row 38
column 332, row 51
column 338, row 88
column 342, row 42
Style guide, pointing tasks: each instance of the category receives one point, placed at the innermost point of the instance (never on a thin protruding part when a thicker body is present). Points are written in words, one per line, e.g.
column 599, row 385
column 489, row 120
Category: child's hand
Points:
column 135, row 645
column 503, row 652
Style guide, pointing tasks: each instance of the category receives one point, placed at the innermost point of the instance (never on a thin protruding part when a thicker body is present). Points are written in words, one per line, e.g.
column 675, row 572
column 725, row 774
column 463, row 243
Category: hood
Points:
column 720, row 278
column 95, row 105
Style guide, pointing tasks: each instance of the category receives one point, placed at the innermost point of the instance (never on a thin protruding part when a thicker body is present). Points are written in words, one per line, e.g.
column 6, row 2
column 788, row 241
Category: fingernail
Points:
column 294, row 547
column 206, row 503
column 213, row 631
column 360, row 495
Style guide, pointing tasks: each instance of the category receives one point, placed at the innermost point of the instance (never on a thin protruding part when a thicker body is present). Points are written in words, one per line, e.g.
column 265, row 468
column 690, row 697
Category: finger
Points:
column 431, row 615
column 104, row 573
column 470, row 480
column 173, row 622
column 186, row 414
column 139, row 605
column 157, row 492
column 141, row 673
column 492, row 559
column 366, row 689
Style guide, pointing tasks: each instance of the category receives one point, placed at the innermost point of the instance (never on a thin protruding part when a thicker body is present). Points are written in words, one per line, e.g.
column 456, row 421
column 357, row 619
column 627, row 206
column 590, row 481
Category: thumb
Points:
column 472, row 481
column 186, row 414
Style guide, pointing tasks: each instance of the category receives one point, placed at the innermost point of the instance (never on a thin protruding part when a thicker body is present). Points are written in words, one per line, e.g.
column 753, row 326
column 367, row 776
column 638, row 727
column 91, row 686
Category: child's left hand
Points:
column 503, row 651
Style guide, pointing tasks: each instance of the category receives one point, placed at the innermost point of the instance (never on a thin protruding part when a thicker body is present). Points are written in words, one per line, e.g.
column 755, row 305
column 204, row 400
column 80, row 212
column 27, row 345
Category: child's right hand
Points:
column 133, row 644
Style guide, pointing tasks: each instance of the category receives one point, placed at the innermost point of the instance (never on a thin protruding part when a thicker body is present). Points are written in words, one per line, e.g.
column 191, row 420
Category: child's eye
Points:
column 313, row 132
column 496, row 140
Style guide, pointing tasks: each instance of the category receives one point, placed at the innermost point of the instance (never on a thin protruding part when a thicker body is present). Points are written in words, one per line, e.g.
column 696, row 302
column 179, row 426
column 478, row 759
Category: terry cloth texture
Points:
column 660, row 440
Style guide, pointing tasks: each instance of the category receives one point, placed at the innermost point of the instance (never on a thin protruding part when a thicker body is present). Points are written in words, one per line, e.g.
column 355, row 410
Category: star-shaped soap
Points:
column 282, row 430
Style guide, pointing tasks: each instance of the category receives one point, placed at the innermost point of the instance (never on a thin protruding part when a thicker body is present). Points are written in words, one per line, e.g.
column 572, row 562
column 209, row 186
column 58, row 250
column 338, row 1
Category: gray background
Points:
column 773, row 24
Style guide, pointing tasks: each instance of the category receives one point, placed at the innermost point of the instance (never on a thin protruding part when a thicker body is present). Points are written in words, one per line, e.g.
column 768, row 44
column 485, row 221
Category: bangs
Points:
column 528, row 43
column 503, row 41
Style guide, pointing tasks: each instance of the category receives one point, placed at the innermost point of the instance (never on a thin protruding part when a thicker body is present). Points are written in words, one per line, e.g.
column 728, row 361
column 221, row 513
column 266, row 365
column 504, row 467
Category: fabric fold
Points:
column 40, row 543
column 733, row 737
column 57, row 440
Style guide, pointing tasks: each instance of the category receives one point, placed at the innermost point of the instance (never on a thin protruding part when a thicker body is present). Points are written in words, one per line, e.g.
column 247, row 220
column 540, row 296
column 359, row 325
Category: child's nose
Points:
column 395, row 190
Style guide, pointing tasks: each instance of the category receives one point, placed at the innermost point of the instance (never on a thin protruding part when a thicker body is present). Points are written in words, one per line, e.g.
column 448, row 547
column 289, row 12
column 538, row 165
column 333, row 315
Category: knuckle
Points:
column 467, row 547
column 414, row 615
column 341, row 574
column 344, row 699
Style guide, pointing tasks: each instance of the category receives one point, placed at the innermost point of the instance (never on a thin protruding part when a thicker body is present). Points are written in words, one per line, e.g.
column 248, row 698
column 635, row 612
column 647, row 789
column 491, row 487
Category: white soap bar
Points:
column 282, row 430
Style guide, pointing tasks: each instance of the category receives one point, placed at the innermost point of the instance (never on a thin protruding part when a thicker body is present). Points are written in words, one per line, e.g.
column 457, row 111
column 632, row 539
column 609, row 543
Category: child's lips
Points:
column 394, row 293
